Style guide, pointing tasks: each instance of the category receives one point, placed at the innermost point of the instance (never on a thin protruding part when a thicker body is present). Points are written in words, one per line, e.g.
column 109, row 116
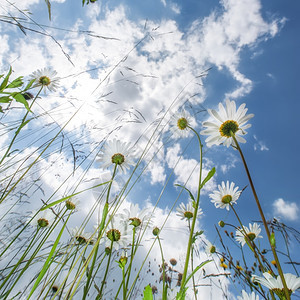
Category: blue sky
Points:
column 251, row 47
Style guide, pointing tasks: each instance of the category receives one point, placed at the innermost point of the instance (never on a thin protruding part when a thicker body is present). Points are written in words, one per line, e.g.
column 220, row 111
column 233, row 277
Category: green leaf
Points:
column 195, row 236
column 49, row 8
column 5, row 99
column 191, row 195
column 29, row 85
column 148, row 293
column 208, row 177
column 68, row 197
column 20, row 98
column 16, row 83
column 5, row 80
column 195, row 270
column 1, row 111
column 181, row 294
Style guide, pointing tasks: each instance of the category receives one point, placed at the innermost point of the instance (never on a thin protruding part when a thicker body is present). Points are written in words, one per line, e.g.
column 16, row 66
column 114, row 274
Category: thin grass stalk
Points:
column 286, row 291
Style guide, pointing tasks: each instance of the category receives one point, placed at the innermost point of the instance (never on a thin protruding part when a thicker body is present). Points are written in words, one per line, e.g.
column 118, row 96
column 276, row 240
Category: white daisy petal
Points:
column 228, row 119
column 46, row 78
column 250, row 233
column 226, row 195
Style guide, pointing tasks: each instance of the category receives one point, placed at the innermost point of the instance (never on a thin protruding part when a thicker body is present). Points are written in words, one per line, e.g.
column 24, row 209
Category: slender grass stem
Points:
column 286, row 291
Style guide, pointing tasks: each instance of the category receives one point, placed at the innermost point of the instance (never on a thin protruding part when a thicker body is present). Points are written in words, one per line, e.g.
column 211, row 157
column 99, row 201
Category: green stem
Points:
column 100, row 229
column 106, row 270
column 194, row 216
column 286, row 291
column 163, row 269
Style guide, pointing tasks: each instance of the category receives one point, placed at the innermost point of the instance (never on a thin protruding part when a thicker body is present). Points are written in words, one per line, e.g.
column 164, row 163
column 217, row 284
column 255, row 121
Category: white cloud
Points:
column 260, row 145
column 187, row 170
column 287, row 210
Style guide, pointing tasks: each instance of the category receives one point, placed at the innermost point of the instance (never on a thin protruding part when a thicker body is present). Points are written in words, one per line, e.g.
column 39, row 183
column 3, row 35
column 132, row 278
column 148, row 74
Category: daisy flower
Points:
column 246, row 296
column 179, row 124
column 225, row 121
column 275, row 284
column 46, row 78
column 117, row 233
column 187, row 212
column 82, row 237
column 42, row 219
column 135, row 216
column 210, row 248
column 226, row 195
column 72, row 204
column 116, row 153
column 252, row 233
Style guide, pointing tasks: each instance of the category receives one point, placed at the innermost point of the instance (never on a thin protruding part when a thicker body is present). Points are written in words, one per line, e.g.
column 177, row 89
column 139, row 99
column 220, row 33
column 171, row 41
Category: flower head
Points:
column 135, row 216
column 226, row 121
column 179, row 124
column 116, row 153
column 275, row 284
column 250, row 233
column 117, row 234
column 82, row 237
column 72, row 204
column 46, row 78
column 187, row 212
column 246, row 296
column 210, row 248
column 226, row 195
column 42, row 219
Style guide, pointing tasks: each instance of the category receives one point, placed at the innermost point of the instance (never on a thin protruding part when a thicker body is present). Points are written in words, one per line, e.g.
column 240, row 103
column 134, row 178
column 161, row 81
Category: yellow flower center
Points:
column 44, row 80
column 118, row 159
column 226, row 199
column 227, row 127
column 182, row 123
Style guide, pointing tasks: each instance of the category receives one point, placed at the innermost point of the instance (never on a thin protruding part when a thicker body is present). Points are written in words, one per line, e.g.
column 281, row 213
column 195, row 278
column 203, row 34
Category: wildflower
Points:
column 116, row 153
column 155, row 231
column 223, row 265
column 226, row 195
column 123, row 260
column 221, row 224
column 187, row 212
column 72, row 204
column 42, row 219
column 273, row 262
column 246, row 296
column 179, row 124
column 252, row 233
column 210, row 248
column 117, row 235
column 46, row 78
column 226, row 122
column 275, row 284
column 136, row 216
column 81, row 237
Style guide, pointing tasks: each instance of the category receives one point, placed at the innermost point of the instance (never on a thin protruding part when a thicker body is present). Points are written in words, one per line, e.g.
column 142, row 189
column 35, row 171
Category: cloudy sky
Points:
column 126, row 66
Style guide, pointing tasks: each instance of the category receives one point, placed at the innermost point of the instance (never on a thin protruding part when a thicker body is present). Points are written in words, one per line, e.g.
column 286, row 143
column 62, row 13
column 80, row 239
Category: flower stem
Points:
column 286, row 291
column 188, row 252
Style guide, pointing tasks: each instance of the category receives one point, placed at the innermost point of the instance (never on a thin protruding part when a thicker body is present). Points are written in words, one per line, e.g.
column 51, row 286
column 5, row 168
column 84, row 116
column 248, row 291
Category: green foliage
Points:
column 148, row 293
column 17, row 84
